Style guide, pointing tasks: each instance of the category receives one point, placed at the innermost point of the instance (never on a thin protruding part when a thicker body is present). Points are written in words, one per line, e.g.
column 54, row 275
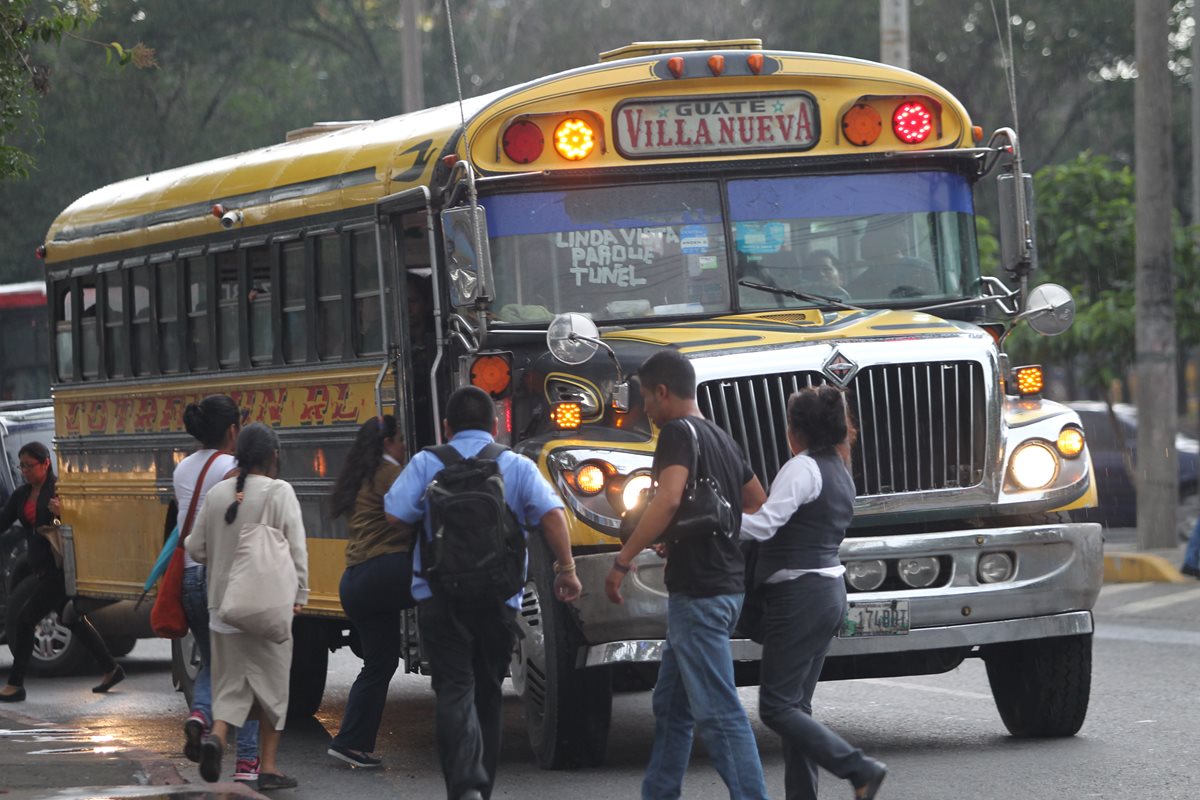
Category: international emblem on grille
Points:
column 839, row 368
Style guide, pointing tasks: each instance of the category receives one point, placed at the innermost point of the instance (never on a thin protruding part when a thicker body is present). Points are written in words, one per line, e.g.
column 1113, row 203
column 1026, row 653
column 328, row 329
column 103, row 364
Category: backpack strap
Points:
column 446, row 453
column 491, row 450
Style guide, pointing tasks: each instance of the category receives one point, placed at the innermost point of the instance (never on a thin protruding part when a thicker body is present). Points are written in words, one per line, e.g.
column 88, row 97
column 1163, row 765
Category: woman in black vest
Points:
column 35, row 504
column 799, row 578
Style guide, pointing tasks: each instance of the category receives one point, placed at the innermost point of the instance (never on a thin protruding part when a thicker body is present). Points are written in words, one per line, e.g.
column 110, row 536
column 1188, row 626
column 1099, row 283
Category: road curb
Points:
column 1140, row 568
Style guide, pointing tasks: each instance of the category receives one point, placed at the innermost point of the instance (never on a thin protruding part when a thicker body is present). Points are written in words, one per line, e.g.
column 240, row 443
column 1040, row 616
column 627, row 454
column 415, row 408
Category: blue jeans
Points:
column 195, row 608
column 1191, row 556
column 695, row 690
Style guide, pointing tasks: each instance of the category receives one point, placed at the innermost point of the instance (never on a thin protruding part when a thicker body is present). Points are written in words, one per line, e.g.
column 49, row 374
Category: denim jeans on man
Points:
column 195, row 608
column 1191, row 556
column 696, row 690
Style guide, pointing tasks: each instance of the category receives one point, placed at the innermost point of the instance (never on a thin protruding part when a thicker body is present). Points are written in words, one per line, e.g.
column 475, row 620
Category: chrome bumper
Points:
column 1059, row 571
column 977, row 633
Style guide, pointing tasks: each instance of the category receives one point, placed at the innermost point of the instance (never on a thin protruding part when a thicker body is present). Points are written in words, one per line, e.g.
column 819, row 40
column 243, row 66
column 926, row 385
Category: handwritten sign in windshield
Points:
column 731, row 124
column 612, row 256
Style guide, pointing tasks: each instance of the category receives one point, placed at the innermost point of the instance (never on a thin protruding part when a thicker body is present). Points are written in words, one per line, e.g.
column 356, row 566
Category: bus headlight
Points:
column 919, row 572
column 631, row 493
column 1034, row 465
column 995, row 567
column 866, row 576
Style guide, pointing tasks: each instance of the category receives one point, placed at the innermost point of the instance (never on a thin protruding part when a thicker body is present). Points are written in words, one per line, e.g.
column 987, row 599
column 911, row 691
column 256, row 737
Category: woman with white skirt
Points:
column 249, row 673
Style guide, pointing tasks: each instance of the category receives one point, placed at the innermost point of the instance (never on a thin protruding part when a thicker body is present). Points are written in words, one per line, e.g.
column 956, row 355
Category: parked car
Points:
column 56, row 651
column 1115, row 486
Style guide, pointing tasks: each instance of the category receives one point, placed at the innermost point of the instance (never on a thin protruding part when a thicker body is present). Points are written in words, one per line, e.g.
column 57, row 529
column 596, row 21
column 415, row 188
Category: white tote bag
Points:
column 262, row 583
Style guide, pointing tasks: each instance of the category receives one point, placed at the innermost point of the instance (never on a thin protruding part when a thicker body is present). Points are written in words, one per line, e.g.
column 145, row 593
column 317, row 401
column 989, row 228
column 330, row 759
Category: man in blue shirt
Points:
column 469, row 647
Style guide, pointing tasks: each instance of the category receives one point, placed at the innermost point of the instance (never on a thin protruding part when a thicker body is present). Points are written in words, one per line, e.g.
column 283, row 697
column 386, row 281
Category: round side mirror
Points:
column 1050, row 309
column 571, row 338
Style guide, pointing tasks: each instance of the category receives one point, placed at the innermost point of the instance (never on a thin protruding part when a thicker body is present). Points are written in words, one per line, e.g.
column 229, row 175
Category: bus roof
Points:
column 356, row 165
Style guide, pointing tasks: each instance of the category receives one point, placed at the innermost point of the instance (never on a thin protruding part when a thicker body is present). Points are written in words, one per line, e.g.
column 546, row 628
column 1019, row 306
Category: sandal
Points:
column 274, row 780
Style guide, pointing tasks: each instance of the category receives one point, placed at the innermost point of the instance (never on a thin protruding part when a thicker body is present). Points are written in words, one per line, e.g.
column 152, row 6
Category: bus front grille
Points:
column 922, row 427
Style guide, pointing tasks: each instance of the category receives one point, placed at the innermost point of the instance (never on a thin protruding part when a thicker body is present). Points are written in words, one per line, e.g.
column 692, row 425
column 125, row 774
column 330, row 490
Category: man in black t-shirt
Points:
column 705, row 582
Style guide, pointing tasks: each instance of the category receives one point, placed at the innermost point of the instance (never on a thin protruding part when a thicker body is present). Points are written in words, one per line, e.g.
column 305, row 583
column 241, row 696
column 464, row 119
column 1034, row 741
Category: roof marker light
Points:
column 755, row 62
column 675, row 64
column 716, row 64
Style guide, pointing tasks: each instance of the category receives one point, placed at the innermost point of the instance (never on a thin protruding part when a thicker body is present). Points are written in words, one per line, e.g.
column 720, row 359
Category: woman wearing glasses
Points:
column 36, row 504
column 215, row 423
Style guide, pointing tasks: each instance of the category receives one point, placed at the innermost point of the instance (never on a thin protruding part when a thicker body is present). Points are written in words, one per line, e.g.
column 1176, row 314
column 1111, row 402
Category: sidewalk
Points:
column 39, row 760
column 1125, row 563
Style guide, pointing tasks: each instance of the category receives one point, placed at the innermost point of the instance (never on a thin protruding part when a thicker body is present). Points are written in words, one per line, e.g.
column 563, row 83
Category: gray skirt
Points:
column 247, row 670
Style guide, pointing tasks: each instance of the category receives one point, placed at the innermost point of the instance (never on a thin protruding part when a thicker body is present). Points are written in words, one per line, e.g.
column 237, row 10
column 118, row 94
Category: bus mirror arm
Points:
column 620, row 393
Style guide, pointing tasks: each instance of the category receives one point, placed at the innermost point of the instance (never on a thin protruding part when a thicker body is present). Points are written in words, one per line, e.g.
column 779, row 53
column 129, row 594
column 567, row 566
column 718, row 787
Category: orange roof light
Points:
column 716, row 64
column 675, row 64
column 1029, row 380
column 566, row 416
column 755, row 62
column 574, row 139
column 912, row 122
column 862, row 125
column 492, row 373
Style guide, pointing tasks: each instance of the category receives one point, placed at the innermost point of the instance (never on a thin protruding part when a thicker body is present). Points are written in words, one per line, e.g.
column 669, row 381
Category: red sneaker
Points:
column 246, row 771
column 194, row 730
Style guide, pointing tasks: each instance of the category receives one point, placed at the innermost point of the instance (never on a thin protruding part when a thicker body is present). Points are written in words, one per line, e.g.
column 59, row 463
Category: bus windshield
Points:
column 677, row 249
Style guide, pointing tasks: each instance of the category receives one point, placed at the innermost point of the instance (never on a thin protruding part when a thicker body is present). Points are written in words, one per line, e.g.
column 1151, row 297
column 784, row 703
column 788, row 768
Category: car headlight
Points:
column 1034, row 465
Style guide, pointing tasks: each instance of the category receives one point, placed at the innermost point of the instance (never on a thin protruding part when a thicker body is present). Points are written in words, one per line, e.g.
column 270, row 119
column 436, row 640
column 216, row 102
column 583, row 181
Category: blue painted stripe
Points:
column 847, row 195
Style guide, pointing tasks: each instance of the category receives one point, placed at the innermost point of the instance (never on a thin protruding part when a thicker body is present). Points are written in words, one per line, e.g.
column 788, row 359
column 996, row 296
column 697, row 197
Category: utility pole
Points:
column 1157, row 461
column 413, row 79
column 893, row 32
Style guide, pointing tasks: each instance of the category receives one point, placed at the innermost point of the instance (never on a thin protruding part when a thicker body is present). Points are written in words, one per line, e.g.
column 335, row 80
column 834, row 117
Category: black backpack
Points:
column 475, row 550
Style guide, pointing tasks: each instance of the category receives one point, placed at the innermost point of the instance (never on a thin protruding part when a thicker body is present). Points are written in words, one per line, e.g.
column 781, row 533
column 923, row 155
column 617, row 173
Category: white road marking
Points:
column 924, row 688
column 1162, row 601
column 1109, row 589
column 1138, row 633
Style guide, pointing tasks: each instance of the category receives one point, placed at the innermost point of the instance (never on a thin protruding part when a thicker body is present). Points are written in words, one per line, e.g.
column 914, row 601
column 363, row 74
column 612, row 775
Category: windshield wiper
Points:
column 817, row 299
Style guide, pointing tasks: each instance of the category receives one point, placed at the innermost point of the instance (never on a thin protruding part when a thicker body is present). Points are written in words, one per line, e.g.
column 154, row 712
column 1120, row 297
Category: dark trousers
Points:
column 469, row 650
column 50, row 594
column 801, row 618
column 373, row 593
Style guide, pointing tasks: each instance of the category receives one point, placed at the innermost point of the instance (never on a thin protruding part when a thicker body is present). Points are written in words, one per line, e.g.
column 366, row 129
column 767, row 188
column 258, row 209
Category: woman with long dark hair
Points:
column 249, row 673
column 799, row 577
column 375, row 587
column 215, row 423
column 35, row 504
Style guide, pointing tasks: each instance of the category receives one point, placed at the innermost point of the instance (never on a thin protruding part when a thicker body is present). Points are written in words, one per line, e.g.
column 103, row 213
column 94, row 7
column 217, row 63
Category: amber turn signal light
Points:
column 566, row 416
column 1029, row 380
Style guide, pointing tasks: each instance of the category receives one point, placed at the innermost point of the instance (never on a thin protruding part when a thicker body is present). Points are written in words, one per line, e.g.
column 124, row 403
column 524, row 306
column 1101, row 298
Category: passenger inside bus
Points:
column 821, row 275
column 885, row 270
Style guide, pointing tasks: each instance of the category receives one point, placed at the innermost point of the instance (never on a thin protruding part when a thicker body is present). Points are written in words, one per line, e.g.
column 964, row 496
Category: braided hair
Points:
column 819, row 413
column 362, row 461
column 257, row 446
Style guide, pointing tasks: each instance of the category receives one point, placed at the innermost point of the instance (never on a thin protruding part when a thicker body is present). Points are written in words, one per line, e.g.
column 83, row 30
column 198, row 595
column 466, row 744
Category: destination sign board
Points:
column 683, row 126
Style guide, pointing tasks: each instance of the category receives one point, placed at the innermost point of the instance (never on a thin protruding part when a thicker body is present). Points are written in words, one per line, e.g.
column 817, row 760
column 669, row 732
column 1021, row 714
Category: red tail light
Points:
column 912, row 122
column 524, row 141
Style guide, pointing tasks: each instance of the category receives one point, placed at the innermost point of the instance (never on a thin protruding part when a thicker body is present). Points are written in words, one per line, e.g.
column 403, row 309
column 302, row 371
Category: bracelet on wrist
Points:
column 621, row 568
column 563, row 569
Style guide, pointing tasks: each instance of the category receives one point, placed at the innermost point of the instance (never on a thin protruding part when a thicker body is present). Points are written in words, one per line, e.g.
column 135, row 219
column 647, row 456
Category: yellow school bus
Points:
column 781, row 218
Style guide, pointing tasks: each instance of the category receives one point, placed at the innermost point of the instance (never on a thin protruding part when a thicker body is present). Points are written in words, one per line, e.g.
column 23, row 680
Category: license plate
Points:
column 884, row 618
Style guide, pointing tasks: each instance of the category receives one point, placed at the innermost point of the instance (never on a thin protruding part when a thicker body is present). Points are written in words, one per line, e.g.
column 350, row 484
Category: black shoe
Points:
column 110, row 680
column 193, row 733
column 876, row 772
column 16, row 697
column 471, row 794
column 352, row 757
column 1189, row 570
column 211, row 751
column 273, row 780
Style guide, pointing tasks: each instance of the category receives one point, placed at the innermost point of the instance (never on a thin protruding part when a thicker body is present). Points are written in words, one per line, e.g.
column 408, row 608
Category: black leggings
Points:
column 50, row 594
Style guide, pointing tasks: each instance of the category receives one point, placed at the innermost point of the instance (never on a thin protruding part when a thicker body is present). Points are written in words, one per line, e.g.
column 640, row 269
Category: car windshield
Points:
column 677, row 249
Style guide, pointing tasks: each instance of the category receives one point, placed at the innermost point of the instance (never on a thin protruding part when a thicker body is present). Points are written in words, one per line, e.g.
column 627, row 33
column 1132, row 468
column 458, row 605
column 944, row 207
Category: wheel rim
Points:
column 528, row 669
column 50, row 638
column 191, row 656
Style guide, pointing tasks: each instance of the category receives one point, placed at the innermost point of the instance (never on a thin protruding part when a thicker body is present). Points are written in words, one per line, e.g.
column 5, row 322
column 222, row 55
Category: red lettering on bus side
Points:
column 804, row 131
column 663, row 139
column 681, row 133
column 71, row 416
column 344, row 411
column 746, row 129
column 97, row 417
column 633, row 127
column 702, row 134
column 270, row 410
column 313, row 410
column 785, row 126
column 147, row 411
column 172, row 414
column 728, row 126
column 122, row 414
column 765, row 134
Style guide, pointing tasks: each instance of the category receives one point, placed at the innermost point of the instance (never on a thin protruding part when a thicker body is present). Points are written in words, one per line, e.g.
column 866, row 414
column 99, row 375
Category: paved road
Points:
column 940, row 734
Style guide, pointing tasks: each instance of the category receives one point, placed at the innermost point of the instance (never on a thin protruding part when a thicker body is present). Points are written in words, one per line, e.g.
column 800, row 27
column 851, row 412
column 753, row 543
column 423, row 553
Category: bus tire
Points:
column 310, row 664
column 185, row 665
column 1041, row 686
column 567, row 710
column 56, row 651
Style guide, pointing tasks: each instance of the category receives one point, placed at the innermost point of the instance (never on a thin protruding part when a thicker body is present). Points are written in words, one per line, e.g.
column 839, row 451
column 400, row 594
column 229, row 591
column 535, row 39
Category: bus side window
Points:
column 368, row 318
column 64, row 347
column 262, row 343
column 227, row 309
column 89, row 337
column 143, row 333
column 329, row 297
column 295, row 328
column 197, row 311
column 114, row 324
column 168, row 317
